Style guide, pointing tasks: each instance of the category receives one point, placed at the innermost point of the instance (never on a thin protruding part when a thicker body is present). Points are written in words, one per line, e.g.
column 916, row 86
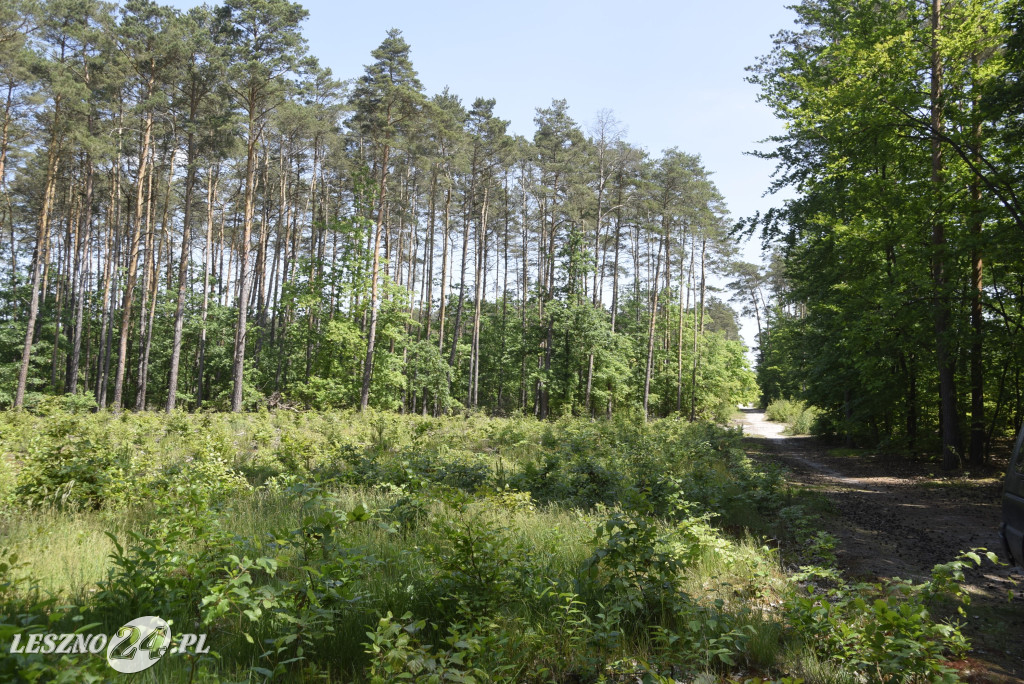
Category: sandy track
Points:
column 893, row 520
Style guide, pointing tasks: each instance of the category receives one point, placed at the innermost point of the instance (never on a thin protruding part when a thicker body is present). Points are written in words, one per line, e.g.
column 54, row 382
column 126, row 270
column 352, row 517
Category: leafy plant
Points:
column 886, row 631
column 633, row 568
column 477, row 559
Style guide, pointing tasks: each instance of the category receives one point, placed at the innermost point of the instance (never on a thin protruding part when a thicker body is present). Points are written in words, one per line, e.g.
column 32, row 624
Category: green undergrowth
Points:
column 381, row 548
column 800, row 419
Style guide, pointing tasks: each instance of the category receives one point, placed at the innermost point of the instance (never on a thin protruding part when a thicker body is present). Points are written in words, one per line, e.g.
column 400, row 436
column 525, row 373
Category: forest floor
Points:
column 896, row 517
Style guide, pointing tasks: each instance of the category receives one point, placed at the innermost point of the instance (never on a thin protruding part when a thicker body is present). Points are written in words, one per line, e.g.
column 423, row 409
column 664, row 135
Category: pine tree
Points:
column 265, row 46
column 203, row 123
column 387, row 101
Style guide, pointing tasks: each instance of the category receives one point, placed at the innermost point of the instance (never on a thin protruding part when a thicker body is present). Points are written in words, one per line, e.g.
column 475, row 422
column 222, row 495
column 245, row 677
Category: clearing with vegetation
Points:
column 378, row 547
column 315, row 379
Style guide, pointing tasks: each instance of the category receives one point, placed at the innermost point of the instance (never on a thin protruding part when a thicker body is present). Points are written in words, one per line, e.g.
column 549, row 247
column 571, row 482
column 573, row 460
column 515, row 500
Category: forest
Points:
column 893, row 300
column 309, row 377
column 200, row 215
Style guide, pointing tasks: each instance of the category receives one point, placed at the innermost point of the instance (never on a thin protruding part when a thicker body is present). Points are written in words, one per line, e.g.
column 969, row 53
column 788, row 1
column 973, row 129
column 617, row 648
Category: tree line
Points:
column 198, row 214
column 894, row 298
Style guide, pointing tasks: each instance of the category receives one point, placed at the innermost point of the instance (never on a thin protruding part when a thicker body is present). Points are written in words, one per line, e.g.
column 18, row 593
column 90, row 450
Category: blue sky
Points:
column 671, row 72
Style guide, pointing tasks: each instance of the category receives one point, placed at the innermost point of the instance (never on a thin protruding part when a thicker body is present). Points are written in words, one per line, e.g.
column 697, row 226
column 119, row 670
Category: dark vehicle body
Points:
column 1012, row 528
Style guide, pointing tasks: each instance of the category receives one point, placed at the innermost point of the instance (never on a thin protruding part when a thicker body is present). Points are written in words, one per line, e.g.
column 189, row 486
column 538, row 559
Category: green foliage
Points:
column 859, row 318
column 350, row 517
column 71, row 465
column 398, row 655
column 631, row 568
column 886, row 631
column 478, row 561
column 799, row 417
column 44, row 405
column 428, row 374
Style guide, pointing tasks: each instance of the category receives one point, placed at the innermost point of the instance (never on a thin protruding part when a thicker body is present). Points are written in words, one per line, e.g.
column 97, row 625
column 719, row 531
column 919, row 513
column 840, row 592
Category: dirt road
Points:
column 895, row 519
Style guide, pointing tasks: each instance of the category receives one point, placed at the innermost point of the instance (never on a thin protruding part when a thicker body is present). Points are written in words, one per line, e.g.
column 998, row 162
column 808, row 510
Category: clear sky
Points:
column 671, row 72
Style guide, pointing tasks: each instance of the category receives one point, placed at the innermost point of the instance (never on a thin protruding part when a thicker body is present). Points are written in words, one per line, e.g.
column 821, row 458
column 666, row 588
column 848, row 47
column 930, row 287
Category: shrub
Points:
column 633, row 568
column 478, row 560
column 805, row 422
column 798, row 416
column 885, row 632
column 398, row 654
column 783, row 410
column 71, row 465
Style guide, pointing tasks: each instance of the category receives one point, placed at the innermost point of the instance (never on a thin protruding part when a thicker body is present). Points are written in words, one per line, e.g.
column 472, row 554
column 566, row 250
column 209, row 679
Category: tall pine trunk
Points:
column 698, row 330
column 52, row 161
column 371, row 335
column 133, row 261
column 457, row 327
column 74, row 360
column 679, row 331
column 652, row 325
column 150, row 318
column 211, row 191
column 186, row 250
column 238, row 362
column 474, row 367
column 113, row 243
column 443, row 303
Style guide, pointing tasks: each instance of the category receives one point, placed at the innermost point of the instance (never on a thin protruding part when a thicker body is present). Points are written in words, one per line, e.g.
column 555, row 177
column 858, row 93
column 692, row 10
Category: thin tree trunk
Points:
column 524, row 291
column 133, row 261
column 186, row 251
column 655, row 282
column 86, row 230
column 148, row 273
column 443, row 305
column 110, row 269
column 679, row 337
column 947, row 382
column 976, row 450
column 615, row 266
column 260, row 275
column 140, row 397
column 53, row 160
column 481, row 255
column 428, row 274
column 144, row 375
column 698, row 330
column 64, row 283
column 457, row 328
column 238, row 362
column 504, row 306
column 211, row 191
column 371, row 335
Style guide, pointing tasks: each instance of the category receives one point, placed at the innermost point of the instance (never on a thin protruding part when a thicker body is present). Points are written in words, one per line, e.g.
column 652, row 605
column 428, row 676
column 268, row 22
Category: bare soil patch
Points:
column 894, row 518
